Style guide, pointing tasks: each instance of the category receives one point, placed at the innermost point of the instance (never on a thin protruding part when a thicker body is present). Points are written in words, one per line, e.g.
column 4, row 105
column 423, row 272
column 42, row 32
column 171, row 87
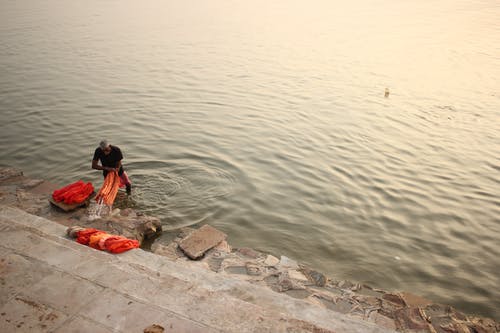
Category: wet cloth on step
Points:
column 101, row 240
column 73, row 193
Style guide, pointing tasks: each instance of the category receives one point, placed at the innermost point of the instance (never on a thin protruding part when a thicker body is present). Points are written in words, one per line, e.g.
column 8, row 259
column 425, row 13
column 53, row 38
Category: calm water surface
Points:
column 268, row 121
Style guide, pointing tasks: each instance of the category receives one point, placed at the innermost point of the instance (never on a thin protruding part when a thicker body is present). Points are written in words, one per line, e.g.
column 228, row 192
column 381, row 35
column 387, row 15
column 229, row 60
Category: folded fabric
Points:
column 101, row 240
column 73, row 193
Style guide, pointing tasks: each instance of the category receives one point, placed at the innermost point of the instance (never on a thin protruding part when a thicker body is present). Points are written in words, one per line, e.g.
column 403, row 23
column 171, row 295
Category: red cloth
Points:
column 83, row 236
column 76, row 192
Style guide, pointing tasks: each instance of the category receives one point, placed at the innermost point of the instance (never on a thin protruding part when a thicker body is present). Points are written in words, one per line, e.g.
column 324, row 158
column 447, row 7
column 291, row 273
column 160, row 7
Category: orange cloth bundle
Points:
column 101, row 240
column 96, row 238
column 109, row 188
column 74, row 193
column 118, row 244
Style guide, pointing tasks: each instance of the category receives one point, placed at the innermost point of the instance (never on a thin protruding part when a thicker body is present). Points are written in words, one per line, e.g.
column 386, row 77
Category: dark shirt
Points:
column 111, row 160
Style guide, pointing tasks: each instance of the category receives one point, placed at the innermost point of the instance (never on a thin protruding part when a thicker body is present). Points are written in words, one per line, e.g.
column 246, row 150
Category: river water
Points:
column 267, row 120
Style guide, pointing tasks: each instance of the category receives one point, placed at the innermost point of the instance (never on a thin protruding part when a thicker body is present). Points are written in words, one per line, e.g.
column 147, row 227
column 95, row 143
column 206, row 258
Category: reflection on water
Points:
column 269, row 121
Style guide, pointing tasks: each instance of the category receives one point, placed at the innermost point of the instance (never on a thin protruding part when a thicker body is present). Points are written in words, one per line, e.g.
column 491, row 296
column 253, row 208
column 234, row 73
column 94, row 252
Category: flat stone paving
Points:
column 50, row 283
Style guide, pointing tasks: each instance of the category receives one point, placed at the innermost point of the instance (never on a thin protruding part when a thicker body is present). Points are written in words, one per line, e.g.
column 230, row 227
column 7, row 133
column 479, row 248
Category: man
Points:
column 111, row 159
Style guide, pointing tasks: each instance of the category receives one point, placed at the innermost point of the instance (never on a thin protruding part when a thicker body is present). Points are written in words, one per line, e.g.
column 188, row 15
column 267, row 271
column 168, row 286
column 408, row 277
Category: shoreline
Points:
column 400, row 311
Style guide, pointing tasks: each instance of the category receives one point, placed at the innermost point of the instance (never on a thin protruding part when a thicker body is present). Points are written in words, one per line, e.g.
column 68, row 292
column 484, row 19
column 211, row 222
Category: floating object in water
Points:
column 386, row 93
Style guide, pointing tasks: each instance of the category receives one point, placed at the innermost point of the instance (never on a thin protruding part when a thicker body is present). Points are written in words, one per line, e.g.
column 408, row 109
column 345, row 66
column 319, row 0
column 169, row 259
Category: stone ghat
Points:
column 208, row 248
column 401, row 311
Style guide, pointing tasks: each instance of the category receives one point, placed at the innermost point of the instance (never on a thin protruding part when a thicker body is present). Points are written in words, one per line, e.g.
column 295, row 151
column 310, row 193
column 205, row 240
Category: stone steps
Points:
column 50, row 276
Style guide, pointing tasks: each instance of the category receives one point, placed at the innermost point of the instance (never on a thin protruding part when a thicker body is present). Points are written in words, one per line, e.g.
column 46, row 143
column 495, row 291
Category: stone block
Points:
column 296, row 275
column 197, row 243
column 271, row 261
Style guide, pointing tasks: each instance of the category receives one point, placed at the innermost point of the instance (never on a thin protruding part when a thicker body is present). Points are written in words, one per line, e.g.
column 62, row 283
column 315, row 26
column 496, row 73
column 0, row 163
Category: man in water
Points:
column 111, row 160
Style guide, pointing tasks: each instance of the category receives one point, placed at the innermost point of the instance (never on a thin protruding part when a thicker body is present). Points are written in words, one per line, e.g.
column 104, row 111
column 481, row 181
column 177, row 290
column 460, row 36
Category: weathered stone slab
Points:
column 296, row 275
column 197, row 243
column 271, row 261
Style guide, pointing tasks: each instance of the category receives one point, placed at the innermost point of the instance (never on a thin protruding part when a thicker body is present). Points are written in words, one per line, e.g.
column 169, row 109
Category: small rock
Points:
column 253, row 269
column 286, row 283
column 286, row 262
column 296, row 275
column 251, row 253
column 271, row 261
column 154, row 329
column 215, row 263
column 223, row 247
column 316, row 277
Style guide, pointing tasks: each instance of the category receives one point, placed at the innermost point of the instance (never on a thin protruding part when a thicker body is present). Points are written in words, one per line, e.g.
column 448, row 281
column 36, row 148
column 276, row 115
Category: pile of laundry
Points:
column 101, row 240
column 74, row 193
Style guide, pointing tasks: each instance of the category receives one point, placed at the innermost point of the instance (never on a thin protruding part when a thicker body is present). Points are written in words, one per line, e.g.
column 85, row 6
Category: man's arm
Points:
column 96, row 166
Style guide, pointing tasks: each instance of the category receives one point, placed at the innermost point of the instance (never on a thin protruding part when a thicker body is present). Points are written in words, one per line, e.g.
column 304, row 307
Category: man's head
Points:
column 104, row 145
